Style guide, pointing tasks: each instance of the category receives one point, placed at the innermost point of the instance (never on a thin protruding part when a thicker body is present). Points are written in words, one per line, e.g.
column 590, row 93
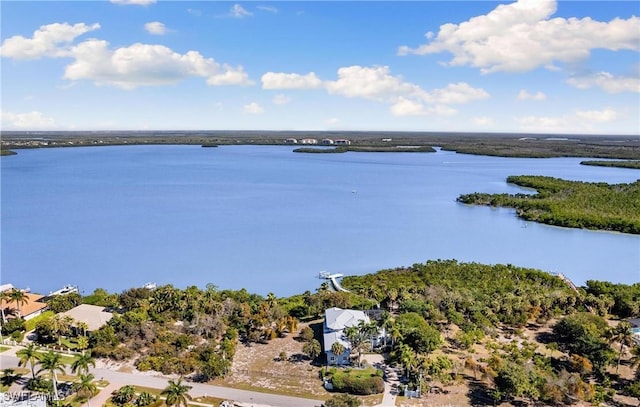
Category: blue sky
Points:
column 534, row 66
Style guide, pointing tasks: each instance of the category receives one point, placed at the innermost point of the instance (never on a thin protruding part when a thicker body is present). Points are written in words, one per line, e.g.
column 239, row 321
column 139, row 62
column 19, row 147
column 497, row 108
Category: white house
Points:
column 309, row 141
column 335, row 322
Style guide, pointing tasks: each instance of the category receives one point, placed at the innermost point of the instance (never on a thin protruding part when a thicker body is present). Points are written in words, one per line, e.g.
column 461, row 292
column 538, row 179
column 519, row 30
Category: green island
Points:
column 622, row 147
column 395, row 149
column 634, row 164
column 455, row 333
column 572, row 204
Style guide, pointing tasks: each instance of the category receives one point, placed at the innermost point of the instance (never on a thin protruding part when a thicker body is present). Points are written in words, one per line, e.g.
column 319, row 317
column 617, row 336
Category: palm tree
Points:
column 177, row 394
column 337, row 349
column 29, row 355
column 144, row 399
column 82, row 343
column 60, row 325
column 83, row 326
column 123, row 395
column 5, row 296
column 622, row 334
column 82, row 362
column 52, row 362
column 19, row 297
column 635, row 360
column 86, row 386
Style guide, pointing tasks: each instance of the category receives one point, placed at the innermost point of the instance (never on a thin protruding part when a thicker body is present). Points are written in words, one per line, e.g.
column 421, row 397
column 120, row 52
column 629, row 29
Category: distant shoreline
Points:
column 622, row 147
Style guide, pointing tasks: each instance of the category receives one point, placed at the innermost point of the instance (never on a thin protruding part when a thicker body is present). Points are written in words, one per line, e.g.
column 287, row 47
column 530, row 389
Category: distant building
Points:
column 336, row 320
column 309, row 141
column 342, row 142
column 291, row 141
column 327, row 142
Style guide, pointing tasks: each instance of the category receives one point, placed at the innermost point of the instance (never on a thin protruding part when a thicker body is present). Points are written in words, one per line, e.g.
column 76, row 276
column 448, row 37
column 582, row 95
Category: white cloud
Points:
column 607, row 82
column 133, row 2
column 155, row 28
column 579, row 121
column 406, row 107
column 524, row 95
column 50, row 40
column 146, row 65
column 253, row 108
column 522, row 36
column 378, row 84
column 270, row 9
column 483, row 121
column 276, row 80
column 598, row 116
column 281, row 99
column 373, row 83
column 194, row 12
column 457, row 93
column 238, row 11
column 22, row 121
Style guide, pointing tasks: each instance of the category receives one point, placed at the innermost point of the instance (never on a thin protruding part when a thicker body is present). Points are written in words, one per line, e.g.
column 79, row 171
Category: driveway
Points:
column 119, row 379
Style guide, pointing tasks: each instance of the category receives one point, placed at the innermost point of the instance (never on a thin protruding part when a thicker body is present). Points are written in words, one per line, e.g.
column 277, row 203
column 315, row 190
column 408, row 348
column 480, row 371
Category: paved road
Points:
column 119, row 379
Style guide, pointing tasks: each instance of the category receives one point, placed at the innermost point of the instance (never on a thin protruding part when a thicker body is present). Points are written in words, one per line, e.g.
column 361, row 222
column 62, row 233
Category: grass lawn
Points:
column 3, row 348
column 30, row 324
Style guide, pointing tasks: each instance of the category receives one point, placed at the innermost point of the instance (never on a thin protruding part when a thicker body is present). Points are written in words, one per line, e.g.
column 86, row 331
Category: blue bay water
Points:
column 269, row 220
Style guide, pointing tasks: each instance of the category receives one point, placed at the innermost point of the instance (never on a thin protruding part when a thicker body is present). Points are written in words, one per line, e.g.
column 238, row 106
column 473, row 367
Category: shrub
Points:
column 13, row 325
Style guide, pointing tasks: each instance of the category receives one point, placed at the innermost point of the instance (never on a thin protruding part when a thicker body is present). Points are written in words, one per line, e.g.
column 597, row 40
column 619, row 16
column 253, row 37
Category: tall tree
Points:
column 19, row 297
column 52, row 363
column 29, row 355
column 86, row 387
column 623, row 334
column 5, row 296
column 82, row 362
column 176, row 393
column 312, row 349
column 337, row 349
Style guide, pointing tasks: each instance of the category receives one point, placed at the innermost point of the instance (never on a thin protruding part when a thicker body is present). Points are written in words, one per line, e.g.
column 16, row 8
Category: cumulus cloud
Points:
column 155, row 28
column 373, row 83
column 146, row 65
column 253, row 108
column 576, row 122
column 270, row 9
column 598, row 116
column 524, row 95
column 133, row 2
column 275, row 80
column 378, row 84
column 238, row 11
column 23, row 121
column 406, row 107
column 457, row 94
column 281, row 99
column 607, row 82
column 52, row 40
column 522, row 36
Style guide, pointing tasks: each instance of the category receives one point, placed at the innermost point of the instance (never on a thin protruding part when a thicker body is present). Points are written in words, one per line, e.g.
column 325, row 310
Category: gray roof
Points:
column 93, row 315
column 336, row 319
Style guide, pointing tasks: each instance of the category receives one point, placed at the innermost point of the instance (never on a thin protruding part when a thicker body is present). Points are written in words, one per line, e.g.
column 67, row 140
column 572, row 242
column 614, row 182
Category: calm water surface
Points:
column 267, row 219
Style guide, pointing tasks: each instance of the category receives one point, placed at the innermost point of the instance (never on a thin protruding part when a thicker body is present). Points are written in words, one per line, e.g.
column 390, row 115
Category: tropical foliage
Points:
column 572, row 204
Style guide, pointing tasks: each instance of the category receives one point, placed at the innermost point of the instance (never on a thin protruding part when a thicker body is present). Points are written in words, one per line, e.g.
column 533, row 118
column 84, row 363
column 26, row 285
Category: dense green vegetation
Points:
column 446, row 321
column 355, row 381
column 570, row 203
column 619, row 164
column 489, row 305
